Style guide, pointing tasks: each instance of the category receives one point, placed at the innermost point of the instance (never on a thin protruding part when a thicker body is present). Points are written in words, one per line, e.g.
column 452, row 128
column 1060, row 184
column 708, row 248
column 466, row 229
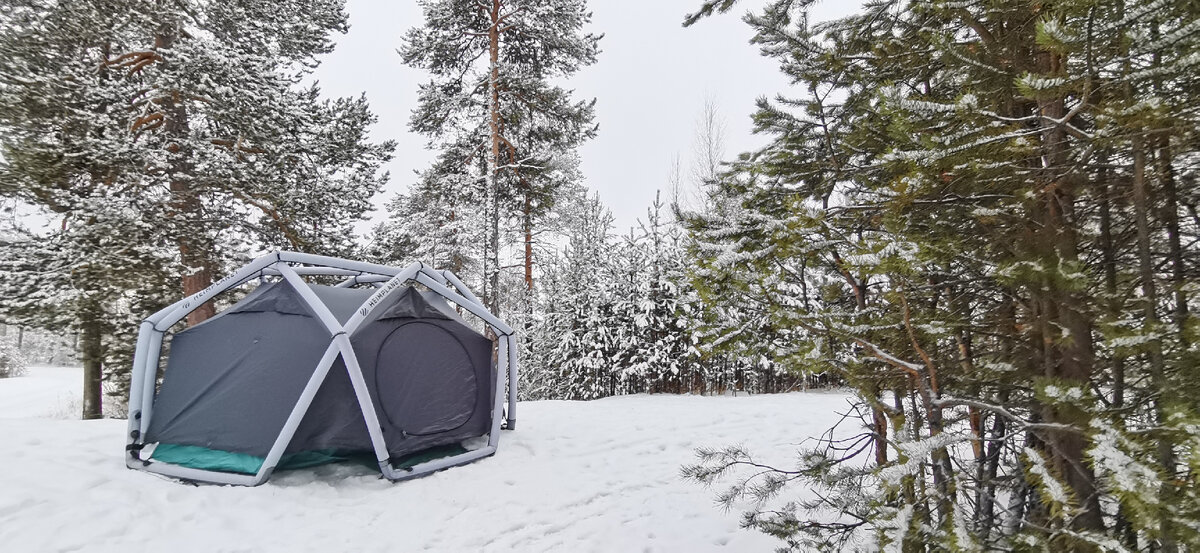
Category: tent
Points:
column 297, row 374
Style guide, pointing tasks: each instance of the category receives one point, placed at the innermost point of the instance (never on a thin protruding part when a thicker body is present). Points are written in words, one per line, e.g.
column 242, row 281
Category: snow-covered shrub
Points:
column 12, row 363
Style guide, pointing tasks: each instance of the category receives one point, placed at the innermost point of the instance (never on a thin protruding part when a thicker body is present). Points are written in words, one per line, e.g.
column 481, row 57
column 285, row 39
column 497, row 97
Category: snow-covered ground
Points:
column 575, row 476
column 45, row 393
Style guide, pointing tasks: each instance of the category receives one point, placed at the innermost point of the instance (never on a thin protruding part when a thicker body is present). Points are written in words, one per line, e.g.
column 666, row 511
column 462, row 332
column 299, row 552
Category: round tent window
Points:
column 425, row 380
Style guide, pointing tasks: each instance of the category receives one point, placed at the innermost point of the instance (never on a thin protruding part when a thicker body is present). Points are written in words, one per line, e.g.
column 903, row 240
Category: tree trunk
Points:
column 493, row 185
column 1070, row 357
column 197, row 275
column 93, row 364
column 1141, row 209
column 195, row 251
column 1170, row 217
column 1109, row 260
column 527, row 220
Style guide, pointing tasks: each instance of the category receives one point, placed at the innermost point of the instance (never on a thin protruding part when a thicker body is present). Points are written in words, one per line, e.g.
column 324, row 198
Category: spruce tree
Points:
column 437, row 221
column 579, row 334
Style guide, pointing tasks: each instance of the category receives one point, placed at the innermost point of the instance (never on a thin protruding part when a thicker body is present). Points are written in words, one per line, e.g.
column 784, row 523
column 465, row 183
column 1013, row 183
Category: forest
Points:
column 978, row 217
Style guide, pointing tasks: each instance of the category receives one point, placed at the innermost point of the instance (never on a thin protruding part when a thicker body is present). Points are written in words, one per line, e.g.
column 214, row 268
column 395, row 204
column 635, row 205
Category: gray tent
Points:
column 296, row 374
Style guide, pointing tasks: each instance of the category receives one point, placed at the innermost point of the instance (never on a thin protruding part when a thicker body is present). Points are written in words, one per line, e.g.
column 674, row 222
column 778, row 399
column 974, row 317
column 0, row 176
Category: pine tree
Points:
column 952, row 216
column 241, row 147
column 166, row 141
column 491, row 99
column 66, row 151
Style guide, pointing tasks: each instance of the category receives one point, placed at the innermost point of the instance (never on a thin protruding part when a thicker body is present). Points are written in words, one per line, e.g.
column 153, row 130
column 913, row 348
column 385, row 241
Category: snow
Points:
column 1050, row 484
column 44, row 392
column 1109, row 456
column 575, row 476
column 1069, row 394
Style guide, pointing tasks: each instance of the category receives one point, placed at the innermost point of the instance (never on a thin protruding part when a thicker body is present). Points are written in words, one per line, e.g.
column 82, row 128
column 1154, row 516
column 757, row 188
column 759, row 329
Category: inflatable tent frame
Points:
column 290, row 266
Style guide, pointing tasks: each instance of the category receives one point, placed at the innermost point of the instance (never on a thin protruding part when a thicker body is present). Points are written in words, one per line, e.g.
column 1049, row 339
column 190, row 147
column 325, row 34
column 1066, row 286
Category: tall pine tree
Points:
column 491, row 100
column 166, row 141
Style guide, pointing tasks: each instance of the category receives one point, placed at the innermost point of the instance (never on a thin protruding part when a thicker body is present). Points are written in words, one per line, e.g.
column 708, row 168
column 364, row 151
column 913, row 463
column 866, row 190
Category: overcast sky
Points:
column 650, row 83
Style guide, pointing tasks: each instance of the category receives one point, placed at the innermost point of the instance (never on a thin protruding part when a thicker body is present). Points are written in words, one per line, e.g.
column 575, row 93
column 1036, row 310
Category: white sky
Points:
column 650, row 83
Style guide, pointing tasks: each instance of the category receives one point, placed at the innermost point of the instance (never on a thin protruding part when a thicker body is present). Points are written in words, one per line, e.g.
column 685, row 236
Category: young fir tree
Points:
column 437, row 221
column 576, row 342
column 976, row 216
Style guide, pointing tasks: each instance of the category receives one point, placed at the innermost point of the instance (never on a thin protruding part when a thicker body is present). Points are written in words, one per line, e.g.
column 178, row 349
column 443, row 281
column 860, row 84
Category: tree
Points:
column 656, row 308
column 437, row 221
column 578, row 341
column 241, row 147
column 620, row 315
column 166, row 141
column 66, row 151
column 951, row 217
column 12, row 363
column 503, row 110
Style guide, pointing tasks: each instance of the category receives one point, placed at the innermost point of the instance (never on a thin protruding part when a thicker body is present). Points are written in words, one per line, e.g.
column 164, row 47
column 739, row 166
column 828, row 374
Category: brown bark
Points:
column 1065, row 328
column 494, row 163
column 879, row 422
column 1141, row 212
column 527, row 220
column 456, row 260
column 879, row 426
column 93, row 364
column 1170, row 217
column 194, row 249
column 528, row 228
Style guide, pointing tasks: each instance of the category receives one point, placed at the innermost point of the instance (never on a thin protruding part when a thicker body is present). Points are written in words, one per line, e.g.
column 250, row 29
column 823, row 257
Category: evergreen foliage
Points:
column 492, row 109
column 166, row 142
column 978, row 214
column 620, row 315
column 12, row 362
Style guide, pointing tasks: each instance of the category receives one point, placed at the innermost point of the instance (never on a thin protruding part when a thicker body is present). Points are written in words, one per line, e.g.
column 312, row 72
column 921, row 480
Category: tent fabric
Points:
column 231, row 382
column 342, row 302
column 241, row 463
column 411, row 305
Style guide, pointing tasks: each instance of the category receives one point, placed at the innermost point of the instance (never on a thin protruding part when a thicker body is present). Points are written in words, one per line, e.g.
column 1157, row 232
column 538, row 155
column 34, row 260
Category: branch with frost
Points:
column 709, row 7
column 944, row 402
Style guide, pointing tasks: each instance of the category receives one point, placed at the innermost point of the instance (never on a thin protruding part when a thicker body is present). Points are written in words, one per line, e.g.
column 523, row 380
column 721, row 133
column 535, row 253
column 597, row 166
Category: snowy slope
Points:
column 576, row 476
